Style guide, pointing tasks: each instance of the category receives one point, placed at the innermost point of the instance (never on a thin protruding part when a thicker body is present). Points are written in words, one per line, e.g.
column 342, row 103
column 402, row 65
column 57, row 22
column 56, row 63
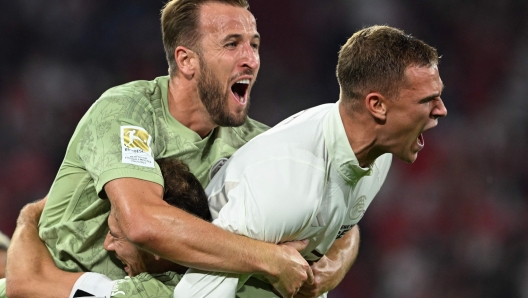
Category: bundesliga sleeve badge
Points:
column 135, row 146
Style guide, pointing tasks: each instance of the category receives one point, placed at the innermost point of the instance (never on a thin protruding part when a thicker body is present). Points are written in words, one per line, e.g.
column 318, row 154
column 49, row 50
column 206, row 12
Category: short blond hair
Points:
column 375, row 59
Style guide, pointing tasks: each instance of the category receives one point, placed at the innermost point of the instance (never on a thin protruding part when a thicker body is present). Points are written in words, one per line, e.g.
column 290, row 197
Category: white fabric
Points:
column 299, row 180
column 98, row 285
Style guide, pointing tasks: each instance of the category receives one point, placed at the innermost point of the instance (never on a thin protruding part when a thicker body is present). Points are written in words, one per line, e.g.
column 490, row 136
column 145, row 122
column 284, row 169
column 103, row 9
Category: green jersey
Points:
column 122, row 135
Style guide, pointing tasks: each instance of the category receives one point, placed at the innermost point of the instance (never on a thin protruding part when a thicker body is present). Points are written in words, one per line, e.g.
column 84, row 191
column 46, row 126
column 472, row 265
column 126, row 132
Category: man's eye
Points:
column 231, row 44
column 255, row 46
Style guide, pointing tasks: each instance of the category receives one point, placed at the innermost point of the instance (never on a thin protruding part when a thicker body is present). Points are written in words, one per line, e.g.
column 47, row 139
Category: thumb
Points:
column 298, row 245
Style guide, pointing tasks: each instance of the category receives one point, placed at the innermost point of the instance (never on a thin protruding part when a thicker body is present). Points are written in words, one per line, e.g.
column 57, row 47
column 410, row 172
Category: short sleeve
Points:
column 116, row 140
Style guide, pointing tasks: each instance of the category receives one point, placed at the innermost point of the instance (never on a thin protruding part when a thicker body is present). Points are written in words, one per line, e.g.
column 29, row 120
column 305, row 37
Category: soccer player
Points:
column 313, row 175
column 197, row 114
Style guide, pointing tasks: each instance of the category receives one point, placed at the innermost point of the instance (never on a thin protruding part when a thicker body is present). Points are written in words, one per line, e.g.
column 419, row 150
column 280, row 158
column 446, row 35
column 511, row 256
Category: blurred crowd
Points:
column 453, row 224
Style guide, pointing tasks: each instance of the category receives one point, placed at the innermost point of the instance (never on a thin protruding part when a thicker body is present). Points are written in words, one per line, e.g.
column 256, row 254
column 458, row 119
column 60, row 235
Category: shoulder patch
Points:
column 135, row 146
column 216, row 167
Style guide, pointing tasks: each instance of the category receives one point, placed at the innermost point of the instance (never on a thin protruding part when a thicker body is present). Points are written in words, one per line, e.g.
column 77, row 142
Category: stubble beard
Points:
column 215, row 102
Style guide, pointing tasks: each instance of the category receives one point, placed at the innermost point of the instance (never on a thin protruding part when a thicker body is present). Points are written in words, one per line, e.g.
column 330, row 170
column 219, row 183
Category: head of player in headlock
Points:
column 182, row 190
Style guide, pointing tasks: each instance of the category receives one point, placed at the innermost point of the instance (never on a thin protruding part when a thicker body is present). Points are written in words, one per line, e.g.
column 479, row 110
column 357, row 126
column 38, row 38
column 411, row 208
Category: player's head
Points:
column 182, row 190
column 393, row 78
column 4, row 244
column 215, row 43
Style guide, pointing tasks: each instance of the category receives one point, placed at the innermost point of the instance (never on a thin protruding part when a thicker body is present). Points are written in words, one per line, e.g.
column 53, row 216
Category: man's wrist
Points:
column 265, row 261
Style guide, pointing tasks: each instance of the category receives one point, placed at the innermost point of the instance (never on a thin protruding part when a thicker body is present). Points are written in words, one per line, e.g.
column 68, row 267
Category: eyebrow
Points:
column 239, row 36
column 431, row 97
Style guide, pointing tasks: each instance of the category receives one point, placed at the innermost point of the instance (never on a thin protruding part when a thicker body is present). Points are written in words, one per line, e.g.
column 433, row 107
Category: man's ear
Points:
column 377, row 106
column 187, row 61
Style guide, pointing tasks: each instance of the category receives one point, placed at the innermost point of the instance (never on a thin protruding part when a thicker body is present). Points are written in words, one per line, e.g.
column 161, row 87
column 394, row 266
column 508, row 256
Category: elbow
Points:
column 140, row 230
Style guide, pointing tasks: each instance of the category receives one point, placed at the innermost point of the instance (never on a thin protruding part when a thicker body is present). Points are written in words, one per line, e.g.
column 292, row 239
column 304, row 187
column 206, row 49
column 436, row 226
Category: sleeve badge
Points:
column 136, row 147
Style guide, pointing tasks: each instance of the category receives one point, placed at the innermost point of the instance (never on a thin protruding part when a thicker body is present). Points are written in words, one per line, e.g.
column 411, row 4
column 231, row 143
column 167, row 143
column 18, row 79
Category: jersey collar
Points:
column 340, row 152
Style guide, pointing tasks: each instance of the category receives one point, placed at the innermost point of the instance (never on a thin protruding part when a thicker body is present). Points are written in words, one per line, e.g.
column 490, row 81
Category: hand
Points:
column 293, row 271
column 324, row 279
column 31, row 213
column 330, row 270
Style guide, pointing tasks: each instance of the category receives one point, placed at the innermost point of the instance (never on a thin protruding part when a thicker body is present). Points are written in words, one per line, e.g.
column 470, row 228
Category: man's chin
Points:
column 408, row 158
column 233, row 120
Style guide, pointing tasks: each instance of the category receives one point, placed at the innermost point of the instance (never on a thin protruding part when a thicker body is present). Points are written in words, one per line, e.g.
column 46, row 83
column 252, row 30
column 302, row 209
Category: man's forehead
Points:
column 420, row 75
column 226, row 19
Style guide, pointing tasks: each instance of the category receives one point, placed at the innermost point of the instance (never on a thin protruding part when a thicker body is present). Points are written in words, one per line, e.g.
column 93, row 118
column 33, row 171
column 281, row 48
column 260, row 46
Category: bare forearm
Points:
column 31, row 271
column 152, row 224
column 192, row 242
column 330, row 270
column 344, row 251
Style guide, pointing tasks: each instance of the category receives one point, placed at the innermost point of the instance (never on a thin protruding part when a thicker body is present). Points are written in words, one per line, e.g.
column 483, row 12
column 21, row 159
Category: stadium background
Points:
column 454, row 224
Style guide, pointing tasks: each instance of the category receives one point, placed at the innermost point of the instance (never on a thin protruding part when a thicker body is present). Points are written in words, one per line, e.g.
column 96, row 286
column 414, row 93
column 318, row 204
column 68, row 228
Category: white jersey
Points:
column 299, row 180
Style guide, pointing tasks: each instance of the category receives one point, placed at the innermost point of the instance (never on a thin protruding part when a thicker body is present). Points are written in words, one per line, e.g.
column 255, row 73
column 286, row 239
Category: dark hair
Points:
column 179, row 25
column 182, row 189
column 374, row 59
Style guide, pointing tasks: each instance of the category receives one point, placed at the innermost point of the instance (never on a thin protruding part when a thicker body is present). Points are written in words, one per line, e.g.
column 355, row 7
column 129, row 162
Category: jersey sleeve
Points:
column 117, row 141
column 273, row 201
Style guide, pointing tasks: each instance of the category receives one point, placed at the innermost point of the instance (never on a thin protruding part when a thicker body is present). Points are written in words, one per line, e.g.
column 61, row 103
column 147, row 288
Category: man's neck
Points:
column 186, row 107
column 362, row 136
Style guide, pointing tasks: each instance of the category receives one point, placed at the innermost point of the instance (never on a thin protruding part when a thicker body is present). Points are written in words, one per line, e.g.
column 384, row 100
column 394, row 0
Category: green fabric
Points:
column 145, row 285
column 3, row 288
column 73, row 224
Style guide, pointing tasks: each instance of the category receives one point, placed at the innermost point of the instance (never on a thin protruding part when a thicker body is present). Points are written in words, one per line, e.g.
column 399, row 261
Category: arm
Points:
column 262, row 209
column 30, row 270
column 171, row 233
column 330, row 270
column 33, row 273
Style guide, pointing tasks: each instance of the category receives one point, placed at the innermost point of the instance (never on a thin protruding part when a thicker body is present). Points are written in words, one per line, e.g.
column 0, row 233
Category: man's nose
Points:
column 250, row 57
column 108, row 242
column 439, row 110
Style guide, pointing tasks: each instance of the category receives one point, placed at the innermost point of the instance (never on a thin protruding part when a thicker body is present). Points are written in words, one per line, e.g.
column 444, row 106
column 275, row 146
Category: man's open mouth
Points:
column 421, row 141
column 239, row 90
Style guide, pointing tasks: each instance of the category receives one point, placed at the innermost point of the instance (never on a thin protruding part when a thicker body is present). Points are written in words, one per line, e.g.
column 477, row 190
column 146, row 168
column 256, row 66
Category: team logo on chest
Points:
column 135, row 146
column 359, row 208
column 216, row 167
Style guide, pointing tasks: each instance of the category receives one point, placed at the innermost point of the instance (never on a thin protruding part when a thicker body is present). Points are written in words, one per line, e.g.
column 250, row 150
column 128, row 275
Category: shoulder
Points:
column 384, row 162
column 250, row 129
column 141, row 93
column 238, row 136
column 137, row 100
column 135, row 89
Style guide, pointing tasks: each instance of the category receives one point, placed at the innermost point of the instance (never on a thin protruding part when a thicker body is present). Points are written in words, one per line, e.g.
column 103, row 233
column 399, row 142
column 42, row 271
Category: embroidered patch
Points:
column 356, row 213
column 216, row 167
column 135, row 145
